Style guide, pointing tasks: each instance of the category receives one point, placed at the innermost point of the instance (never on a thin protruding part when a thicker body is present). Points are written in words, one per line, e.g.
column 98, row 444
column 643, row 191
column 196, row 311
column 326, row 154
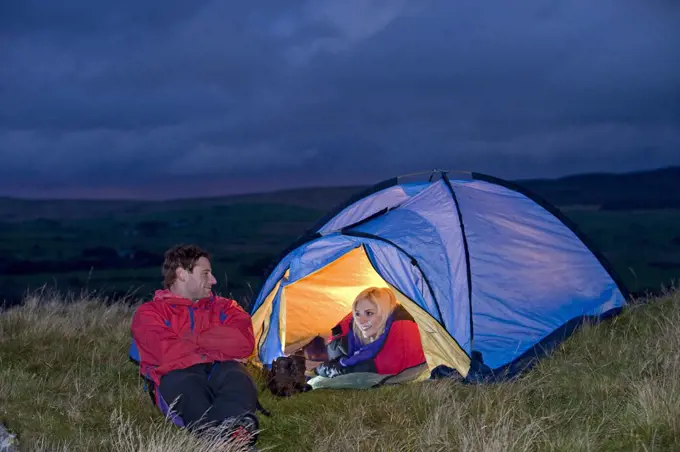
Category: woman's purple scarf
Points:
column 358, row 352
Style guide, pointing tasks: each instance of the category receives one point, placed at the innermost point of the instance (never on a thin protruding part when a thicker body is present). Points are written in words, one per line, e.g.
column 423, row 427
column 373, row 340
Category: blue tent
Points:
column 494, row 276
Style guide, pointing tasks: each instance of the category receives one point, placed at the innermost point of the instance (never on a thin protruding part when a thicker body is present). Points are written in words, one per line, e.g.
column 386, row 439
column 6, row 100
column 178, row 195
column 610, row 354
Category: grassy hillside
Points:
column 642, row 246
column 66, row 384
column 123, row 252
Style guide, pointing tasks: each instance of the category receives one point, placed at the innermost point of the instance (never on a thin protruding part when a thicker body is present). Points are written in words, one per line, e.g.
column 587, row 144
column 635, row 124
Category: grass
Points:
column 66, row 385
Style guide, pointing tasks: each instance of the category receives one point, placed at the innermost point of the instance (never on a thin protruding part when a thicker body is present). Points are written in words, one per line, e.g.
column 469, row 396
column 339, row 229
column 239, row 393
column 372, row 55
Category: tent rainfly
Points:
column 494, row 276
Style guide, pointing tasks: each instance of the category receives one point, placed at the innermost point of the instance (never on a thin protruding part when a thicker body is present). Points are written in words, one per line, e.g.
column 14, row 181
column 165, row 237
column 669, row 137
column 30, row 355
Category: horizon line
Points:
column 142, row 199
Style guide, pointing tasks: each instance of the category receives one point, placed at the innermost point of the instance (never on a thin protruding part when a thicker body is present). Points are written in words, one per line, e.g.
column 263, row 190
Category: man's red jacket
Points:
column 172, row 332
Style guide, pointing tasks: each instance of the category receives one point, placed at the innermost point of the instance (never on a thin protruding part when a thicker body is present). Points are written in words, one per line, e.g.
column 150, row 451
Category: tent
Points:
column 494, row 276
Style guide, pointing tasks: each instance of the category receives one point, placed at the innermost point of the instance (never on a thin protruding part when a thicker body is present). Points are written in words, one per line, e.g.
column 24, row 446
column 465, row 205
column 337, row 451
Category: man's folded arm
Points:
column 157, row 343
column 233, row 339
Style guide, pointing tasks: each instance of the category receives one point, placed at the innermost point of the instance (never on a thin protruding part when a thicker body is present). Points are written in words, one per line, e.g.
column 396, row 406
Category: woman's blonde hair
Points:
column 384, row 301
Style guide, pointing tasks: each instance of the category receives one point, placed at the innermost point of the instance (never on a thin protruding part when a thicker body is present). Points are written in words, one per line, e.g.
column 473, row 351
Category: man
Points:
column 191, row 343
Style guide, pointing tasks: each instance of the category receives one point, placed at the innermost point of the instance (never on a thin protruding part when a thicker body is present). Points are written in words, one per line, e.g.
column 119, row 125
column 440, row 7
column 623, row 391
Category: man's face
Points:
column 200, row 280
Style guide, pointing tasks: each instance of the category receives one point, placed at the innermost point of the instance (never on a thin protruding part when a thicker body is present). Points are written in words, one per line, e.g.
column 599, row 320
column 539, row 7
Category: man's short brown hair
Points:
column 180, row 256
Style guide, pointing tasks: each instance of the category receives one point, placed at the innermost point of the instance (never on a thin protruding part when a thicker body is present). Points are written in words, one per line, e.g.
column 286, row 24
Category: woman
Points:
column 378, row 336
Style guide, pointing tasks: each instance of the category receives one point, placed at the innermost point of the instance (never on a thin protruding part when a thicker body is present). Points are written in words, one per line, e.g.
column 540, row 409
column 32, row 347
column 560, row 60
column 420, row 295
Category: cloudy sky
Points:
column 181, row 98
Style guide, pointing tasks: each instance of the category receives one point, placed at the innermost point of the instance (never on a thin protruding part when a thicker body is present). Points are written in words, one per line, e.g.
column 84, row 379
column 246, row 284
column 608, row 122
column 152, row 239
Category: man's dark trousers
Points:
column 209, row 393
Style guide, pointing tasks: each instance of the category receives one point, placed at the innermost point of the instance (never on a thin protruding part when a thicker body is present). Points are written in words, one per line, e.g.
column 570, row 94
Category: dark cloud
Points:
column 109, row 95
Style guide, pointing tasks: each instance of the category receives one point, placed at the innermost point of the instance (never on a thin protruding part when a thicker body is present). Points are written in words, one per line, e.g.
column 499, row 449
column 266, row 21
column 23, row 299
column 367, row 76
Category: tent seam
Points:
column 467, row 255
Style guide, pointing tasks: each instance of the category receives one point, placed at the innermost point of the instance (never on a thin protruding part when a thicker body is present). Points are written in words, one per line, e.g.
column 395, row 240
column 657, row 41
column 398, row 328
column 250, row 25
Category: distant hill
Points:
column 655, row 189
column 13, row 209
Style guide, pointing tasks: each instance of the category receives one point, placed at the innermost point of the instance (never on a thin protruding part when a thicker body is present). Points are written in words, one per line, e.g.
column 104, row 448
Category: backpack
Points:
column 287, row 376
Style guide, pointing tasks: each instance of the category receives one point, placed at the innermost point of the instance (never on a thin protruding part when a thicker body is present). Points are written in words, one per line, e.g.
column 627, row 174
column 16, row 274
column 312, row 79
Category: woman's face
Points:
column 366, row 317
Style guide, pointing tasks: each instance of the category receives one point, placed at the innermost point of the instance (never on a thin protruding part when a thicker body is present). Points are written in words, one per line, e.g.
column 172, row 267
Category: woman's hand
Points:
column 331, row 369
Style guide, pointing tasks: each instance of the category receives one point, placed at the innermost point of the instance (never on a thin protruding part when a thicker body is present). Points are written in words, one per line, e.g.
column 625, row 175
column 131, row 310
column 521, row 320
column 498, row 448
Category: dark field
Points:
column 115, row 247
column 122, row 253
